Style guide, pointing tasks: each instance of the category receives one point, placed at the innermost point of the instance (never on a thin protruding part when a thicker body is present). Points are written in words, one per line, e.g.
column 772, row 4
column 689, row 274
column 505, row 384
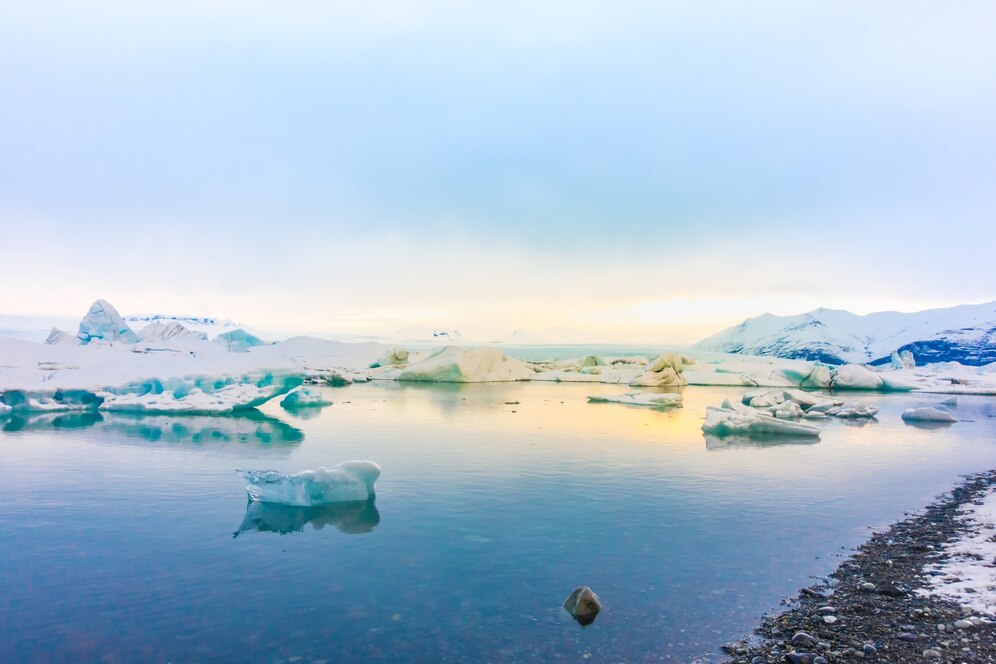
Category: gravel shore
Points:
column 876, row 605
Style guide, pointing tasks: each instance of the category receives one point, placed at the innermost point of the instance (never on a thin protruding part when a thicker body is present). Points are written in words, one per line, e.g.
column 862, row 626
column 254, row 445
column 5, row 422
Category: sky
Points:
column 612, row 172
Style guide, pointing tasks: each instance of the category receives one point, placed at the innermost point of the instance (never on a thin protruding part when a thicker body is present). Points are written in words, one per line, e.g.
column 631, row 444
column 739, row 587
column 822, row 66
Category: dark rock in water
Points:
column 583, row 605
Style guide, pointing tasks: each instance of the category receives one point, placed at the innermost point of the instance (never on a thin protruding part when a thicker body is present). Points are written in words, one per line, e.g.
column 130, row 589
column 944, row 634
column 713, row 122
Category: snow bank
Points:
column 737, row 421
column 347, row 481
column 651, row 399
column 968, row 575
column 463, row 365
column 927, row 414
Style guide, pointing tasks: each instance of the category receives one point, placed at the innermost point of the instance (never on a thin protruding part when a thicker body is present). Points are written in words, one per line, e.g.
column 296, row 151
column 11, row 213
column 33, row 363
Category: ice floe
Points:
column 927, row 414
column 652, row 399
column 748, row 422
column 304, row 397
column 344, row 482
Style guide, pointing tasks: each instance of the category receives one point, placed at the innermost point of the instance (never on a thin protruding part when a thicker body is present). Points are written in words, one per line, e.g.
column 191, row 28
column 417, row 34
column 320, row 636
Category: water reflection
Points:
column 927, row 425
column 352, row 518
column 730, row 442
column 250, row 427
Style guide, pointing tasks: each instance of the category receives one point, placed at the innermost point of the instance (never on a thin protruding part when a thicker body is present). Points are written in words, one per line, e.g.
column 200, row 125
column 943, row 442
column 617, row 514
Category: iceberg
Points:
column 664, row 371
column 397, row 357
column 345, row 482
column 103, row 322
column 652, row 399
column 851, row 410
column 461, row 365
column 927, row 414
column 856, row 377
column 727, row 421
column 58, row 337
column 162, row 331
column 304, row 397
column 238, row 341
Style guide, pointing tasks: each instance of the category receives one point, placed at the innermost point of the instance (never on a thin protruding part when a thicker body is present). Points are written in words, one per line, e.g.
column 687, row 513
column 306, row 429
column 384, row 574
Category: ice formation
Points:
column 927, row 414
column 188, row 394
column 162, row 331
column 238, row 341
column 651, row 399
column 664, row 371
column 57, row 336
column 103, row 322
column 304, row 397
column 742, row 421
column 463, row 365
column 344, row 482
column 397, row 357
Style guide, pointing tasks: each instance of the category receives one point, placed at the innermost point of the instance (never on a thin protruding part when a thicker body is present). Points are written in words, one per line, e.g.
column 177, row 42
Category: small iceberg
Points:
column 304, row 397
column 652, row 399
column 737, row 421
column 344, row 482
column 927, row 414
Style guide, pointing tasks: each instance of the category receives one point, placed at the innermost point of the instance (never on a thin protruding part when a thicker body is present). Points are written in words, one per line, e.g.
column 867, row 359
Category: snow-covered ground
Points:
column 968, row 575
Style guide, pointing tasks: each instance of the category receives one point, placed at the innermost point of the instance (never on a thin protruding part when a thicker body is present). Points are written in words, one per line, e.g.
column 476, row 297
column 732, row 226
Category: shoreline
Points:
column 879, row 604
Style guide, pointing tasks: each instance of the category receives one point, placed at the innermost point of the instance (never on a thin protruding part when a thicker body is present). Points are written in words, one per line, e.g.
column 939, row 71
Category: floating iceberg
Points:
column 187, row 394
column 238, row 341
column 856, row 377
column 463, row 365
column 727, row 421
column 105, row 323
column 344, row 482
column 397, row 357
column 651, row 399
column 927, row 414
column 851, row 410
column 304, row 397
column 664, row 371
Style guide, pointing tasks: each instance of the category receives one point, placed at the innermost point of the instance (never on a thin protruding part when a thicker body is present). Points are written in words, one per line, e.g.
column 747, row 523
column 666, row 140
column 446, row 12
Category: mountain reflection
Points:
column 732, row 442
column 351, row 518
column 250, row 427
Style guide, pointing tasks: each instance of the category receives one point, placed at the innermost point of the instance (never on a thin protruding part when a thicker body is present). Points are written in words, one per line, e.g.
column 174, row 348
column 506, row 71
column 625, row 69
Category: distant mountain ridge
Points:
column 965, row 333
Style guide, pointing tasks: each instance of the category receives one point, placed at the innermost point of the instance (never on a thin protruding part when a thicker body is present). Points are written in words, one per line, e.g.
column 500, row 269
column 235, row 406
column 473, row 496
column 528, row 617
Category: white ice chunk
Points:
column 467, row 365
column 726, row 421
column 304, row 397
column 789, row 410
column 344, row 482
column 927, row 414
column 238, row 341
column 57, row 337
column 851, row 410
column 651, row 399
column 856, row 377
column 103, row 322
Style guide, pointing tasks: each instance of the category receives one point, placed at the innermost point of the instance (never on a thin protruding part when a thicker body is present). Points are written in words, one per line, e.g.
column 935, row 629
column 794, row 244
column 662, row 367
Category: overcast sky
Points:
column 631, row 171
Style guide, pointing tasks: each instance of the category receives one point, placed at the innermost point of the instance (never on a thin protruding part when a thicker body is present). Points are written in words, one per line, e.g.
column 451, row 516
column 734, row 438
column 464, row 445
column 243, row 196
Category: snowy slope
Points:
column 966, row 334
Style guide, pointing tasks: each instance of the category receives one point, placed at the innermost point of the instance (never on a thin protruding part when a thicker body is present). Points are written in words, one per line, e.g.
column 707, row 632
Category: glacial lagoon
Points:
column 129, row 538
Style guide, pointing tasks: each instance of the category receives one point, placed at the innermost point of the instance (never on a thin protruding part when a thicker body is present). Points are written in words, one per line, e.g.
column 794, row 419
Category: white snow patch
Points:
column 968, row 575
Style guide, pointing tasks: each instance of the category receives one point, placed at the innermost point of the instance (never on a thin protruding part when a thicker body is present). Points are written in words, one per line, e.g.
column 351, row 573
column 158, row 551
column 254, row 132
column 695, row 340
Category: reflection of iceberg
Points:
column 344, row 482
column 354, row 517
column 213, row 432
column 714, row 442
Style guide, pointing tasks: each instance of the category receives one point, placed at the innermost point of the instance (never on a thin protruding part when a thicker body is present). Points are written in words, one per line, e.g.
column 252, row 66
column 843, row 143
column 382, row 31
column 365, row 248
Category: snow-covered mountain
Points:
column 211, row 327
column 966, row 334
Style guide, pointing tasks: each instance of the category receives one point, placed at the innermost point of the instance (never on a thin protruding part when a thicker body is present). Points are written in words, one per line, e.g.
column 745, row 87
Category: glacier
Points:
column 344, row 482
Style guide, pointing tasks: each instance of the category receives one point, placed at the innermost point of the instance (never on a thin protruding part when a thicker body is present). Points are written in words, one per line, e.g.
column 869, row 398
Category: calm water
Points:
column 127, row 539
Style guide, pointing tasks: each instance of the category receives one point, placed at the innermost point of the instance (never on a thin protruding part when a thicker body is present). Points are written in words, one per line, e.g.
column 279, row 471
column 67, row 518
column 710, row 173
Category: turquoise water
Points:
column 129, row 539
